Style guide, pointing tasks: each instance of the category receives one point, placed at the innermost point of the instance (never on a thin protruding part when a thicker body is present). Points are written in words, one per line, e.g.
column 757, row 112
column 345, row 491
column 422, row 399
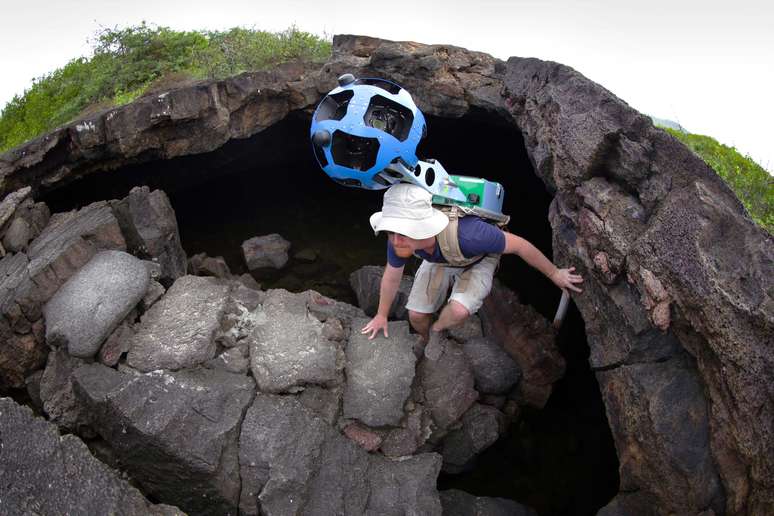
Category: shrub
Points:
column 127, row 62
column 752, row 183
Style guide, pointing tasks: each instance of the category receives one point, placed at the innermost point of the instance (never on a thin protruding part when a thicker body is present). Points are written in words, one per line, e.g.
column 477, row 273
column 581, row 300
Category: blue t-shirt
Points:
column 476, row 237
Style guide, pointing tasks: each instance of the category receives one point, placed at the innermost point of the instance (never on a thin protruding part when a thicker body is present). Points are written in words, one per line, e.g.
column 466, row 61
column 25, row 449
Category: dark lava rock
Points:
column 494, row 369
column 265, row 251
column 185, row 424
column 94, row 301
column 148, row 221
column 447, row 385
column 292, row 462
column 179, row 330
column 379, row 375
column 43, row 472
column 481, row 426
column 289, row 349
column 203, row 265
column 56, row 392
column 460, row 503
column 365, row 282
column 28, row 281
column 528, row 338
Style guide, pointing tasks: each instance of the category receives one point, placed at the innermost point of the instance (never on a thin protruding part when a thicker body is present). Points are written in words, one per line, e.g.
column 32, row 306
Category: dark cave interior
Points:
column 559, row 460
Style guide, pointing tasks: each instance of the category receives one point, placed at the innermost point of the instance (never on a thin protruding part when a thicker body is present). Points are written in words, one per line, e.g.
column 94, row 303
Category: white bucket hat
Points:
column 407, row 209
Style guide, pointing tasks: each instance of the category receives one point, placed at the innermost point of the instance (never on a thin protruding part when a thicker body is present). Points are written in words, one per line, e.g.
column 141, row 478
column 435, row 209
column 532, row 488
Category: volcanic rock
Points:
column 94, row 301
column 288, row 348
column 203, row 265
column 326, row 473
column 179, row 330
column 365, row 282
column 481, row 427
column 460, row 503
column 43, row 472
column 494, row 370
column 186, row 424
column 528, row 338
column 379, row 375
column 447, row 385
column 265, row 251
column 148, row 221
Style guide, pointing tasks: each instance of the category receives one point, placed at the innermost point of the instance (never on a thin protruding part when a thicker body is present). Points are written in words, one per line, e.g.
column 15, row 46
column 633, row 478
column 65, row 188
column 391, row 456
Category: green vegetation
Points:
column 128, row 62
column 751, row 182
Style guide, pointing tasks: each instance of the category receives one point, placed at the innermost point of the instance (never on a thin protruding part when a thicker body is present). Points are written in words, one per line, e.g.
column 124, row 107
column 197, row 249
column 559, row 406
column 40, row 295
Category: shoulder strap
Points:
column 448, row 239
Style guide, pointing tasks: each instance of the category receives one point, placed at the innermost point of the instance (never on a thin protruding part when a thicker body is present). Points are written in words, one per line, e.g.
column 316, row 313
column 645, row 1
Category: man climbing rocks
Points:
column 462, row 254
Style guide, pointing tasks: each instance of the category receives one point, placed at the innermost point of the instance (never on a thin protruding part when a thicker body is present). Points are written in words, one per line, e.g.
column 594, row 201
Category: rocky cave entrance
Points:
column 559, row 460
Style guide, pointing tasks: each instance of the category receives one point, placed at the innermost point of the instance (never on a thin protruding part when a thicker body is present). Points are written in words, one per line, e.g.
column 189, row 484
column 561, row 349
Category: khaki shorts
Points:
column 433, row 280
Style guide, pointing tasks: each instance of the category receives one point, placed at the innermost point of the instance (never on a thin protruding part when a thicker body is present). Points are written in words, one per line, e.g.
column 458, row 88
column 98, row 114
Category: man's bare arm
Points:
column 388, row 289
column 562, row 278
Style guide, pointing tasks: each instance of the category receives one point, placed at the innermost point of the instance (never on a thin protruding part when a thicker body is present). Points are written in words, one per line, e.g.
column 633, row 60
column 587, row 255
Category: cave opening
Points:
column 559, row 460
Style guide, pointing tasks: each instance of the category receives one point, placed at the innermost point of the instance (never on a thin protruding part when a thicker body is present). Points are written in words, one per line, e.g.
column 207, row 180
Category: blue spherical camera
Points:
column 362, row 127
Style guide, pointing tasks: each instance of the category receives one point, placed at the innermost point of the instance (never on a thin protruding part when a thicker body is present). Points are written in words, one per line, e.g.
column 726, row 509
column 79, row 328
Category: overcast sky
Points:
column 708, row 65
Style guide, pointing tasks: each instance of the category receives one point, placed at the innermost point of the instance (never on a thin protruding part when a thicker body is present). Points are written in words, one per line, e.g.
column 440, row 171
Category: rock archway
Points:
column 677, row 305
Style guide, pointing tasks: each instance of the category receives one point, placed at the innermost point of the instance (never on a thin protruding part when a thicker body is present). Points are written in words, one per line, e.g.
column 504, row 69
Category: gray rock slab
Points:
column 11, row 201
column 494, row 369
column 379, row 375
column 292, row 462
column 148, row 221
column 176, row 433
column 94, row 301
column 288, row 348
column 407, row 439
column 179, row 330
column 43, row 472
column 203, row 265
column 326, row 403
column 460, row 503
column 481, row 426
column 365, row 282
column 233, row 360
column 447, row 385
column 56, row 391
column 265, row 251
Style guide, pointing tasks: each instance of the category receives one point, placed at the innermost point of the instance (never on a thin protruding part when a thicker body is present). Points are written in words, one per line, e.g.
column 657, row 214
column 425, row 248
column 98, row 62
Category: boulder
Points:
column 528, row 338
column 149, row 224
column 203, row 265
column 184, row 423
column 494, row 369
column 661, row 408
column 94, row 301
column 460, row 503
column 410, row 436
column 265, row 251
column 56, row 392
column 233, row 360
column 288, row 348
column 43, row 472
column 325, row 403
column 326, row 473
column 179, row 330
column 28, row 280
column 365, row 282
column 447, row 385
column 481, row 426
column 379, row 375
column 27, row 223
column 10, row 202
column 118, row 343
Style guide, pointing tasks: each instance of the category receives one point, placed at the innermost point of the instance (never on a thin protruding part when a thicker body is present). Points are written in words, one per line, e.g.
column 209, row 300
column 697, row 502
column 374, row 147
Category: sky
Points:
column 708, row 65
